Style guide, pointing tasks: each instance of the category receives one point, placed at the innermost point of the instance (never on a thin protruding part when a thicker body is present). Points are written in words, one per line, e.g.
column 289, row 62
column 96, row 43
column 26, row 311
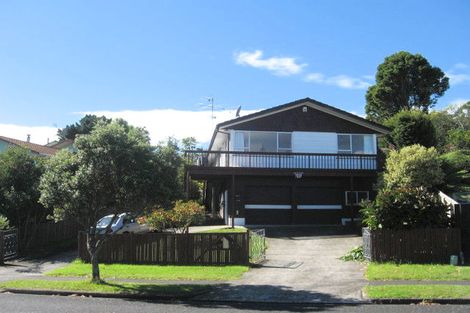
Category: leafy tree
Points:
column 405, row 208
column 459, row 138
column 443, row 123
column 169, row 173
column 411, row 127
column 456, row 167
column 20, row 172
column 84, row 126
column 452, row 127
column 111, row 172
column 404, row 81
column 413, row 167
column 4, row 223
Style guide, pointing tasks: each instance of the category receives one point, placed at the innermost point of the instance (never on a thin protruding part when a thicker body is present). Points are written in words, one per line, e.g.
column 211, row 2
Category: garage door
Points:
column 268, row 205
column 271, row 205
column 318, row 205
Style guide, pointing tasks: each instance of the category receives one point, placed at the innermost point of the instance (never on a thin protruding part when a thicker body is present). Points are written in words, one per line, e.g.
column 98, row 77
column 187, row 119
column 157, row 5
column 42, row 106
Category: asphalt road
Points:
column 14, row 303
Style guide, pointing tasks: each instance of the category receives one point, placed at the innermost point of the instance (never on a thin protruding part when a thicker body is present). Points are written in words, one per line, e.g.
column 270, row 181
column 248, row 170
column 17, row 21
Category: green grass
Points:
column 225, row 230
column 391, row 271
column 105, row 287
column 418, row 291
column 167, row 272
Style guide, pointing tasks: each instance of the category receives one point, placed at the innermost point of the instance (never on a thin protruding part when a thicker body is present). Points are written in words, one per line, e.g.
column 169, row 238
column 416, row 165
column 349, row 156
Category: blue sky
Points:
column 133, row 59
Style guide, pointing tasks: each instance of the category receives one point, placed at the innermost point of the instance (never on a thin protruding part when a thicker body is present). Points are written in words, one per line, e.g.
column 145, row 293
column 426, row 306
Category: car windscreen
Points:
column 102, row 223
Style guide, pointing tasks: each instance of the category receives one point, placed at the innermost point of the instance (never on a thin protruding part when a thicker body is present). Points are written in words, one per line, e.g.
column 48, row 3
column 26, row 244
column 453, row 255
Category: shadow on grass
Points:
column 158, row 290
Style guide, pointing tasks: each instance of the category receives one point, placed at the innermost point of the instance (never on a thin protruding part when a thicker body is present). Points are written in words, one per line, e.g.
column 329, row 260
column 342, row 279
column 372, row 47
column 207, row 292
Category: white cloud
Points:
column 282, row 66
column 342, row 81
column 458, row 74
column 163, row 123
column 39, row 134
column 160, row 123
column 455, row 104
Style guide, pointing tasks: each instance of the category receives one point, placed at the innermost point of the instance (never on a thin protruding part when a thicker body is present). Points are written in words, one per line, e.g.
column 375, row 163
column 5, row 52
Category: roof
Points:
column 60, row 144
column 306, row 101
column 31, row 146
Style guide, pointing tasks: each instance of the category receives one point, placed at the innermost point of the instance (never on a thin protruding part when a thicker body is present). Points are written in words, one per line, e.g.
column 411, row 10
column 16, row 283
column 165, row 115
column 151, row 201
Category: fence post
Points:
column 247, row 254
column 2, row 250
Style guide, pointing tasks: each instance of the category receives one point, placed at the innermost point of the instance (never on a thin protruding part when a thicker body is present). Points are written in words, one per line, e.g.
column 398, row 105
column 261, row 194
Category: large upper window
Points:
column 355, row 144
column 258, row 141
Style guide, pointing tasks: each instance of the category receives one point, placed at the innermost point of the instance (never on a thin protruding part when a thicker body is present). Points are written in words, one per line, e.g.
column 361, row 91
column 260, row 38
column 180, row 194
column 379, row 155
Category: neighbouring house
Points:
column 303, row 162
column 6, row 142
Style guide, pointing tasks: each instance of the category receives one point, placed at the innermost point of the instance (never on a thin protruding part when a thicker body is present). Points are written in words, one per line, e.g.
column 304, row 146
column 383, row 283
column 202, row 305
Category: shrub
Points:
column 405, row 208
column 183, row 215
column 158, row 220
column 4, row 224
column 411, row 127
column 412, row 167
column 356, row 254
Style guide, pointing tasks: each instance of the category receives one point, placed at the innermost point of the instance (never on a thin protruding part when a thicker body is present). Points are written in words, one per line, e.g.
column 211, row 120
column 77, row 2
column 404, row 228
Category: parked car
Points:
column 124, row 223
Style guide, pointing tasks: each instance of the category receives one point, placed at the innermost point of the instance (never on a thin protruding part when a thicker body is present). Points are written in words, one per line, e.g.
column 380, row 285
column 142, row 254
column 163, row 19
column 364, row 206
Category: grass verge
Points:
column 225, row 230
column 392, row 271
column 418, row 292
column 157, row 272
column 104, row 287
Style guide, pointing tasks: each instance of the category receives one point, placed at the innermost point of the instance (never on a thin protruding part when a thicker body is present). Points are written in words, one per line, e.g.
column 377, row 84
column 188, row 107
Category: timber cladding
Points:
column 296, row 120
column 427, row 245
column 172, row 249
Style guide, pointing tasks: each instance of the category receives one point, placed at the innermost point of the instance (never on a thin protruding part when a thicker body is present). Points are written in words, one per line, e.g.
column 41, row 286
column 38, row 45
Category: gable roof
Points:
column 31, row 146
column 303, row 102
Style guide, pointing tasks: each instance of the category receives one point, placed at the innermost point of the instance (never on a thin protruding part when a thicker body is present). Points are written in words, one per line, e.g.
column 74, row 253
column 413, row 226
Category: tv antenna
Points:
column 238, row 111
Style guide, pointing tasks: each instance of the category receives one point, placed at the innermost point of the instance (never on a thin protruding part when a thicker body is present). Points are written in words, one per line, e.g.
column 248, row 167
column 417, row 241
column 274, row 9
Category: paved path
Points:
column 32, row 268
column 303, row 266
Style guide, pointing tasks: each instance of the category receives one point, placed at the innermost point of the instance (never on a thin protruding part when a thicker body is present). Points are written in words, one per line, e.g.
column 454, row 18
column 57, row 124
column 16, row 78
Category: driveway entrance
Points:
column 302, row 266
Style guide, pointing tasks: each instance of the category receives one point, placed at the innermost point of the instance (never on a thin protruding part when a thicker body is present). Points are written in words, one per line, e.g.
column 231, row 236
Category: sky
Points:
column 156, row 63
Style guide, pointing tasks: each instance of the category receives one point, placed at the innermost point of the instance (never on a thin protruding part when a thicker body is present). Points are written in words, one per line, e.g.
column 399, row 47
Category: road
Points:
column 14, row 303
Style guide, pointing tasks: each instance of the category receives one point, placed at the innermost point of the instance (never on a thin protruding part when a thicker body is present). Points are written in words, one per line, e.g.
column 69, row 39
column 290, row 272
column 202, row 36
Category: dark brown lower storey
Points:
column 285, row 200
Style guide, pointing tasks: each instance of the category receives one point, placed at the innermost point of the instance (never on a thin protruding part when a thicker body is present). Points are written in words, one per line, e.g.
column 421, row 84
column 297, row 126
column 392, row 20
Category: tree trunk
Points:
column 93, row 246
column 95, row 268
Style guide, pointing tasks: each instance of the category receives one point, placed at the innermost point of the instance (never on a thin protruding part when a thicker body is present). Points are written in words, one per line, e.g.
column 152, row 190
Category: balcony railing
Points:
column 281, row 160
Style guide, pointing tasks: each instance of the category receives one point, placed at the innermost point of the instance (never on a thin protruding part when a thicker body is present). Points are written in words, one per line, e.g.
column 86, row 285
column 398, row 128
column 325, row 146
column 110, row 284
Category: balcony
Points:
column 279, row 160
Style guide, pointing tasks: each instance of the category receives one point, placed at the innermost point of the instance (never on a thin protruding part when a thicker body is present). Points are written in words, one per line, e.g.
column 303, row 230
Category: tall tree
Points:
column 84, row 126
column 20, row 172
column 404, row 81
column 110, row 173
column 411, row 127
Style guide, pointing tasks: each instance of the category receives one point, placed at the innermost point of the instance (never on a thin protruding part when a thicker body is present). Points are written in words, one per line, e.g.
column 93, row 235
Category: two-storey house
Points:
column 303, row 162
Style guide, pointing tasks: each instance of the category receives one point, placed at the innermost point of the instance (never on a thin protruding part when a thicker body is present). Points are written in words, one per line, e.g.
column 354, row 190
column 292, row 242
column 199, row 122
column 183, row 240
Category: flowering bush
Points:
column 178, row 219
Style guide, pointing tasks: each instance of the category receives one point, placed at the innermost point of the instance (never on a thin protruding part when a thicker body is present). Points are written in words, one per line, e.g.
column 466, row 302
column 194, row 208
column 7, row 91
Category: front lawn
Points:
column 105, row 287
column 392, row 271
column 418, row 291
column 157, row 272
column 226, row 230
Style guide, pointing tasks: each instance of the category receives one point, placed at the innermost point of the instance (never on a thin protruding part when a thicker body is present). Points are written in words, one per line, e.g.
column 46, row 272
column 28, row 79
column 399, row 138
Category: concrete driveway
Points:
column 302, row 266
column 31, row 268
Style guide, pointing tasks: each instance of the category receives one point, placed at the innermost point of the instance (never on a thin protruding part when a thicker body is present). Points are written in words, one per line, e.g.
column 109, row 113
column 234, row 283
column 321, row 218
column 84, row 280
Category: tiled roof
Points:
column 31, row 146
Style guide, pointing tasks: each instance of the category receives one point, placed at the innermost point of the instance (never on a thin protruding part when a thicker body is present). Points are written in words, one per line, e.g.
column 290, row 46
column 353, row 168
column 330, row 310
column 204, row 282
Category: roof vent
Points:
column 304, row 109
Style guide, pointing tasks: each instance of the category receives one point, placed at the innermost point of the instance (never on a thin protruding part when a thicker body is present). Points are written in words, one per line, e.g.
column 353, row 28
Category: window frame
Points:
column 247, row 144
column 356, row 196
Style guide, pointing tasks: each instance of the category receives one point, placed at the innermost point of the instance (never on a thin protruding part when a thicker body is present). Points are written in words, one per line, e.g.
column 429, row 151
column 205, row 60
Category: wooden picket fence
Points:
column 428, row 245
column 48, row 235
column 169, row 248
